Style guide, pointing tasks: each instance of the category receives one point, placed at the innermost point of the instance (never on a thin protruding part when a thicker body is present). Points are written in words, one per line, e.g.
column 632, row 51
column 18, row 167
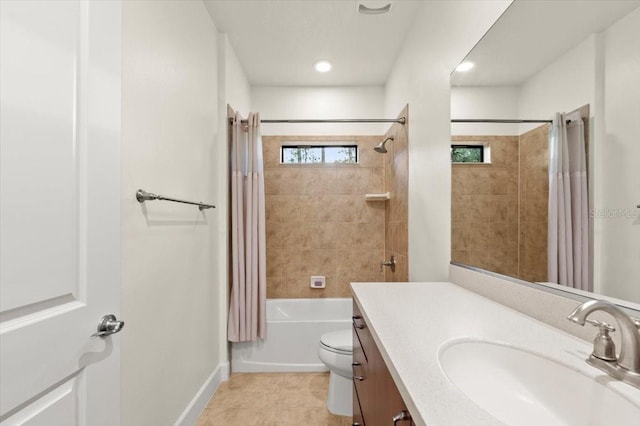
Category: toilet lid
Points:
column 340, row 340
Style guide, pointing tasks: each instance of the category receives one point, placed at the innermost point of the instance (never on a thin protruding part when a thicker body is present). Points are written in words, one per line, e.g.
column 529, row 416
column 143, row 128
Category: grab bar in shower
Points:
column 142, row 196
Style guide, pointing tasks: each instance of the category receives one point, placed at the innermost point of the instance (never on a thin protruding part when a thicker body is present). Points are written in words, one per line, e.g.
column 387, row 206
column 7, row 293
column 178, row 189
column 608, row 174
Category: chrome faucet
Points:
column 627, row 366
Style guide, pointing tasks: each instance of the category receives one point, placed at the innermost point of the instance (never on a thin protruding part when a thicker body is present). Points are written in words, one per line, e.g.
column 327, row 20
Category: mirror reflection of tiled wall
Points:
column 534, row 204
column 499, row 210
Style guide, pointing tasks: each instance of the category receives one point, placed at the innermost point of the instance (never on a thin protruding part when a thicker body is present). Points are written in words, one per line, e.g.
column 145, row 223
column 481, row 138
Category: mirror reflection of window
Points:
column 461, row 153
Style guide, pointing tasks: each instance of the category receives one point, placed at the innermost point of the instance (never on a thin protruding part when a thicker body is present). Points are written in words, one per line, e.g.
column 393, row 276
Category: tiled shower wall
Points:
column 318, row 222
column 499, row 210
column 396, row 168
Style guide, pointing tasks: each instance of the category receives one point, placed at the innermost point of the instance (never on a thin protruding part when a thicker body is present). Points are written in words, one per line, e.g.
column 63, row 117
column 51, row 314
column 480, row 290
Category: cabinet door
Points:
column 357, row 412
column 385, row 395
column 378, row 397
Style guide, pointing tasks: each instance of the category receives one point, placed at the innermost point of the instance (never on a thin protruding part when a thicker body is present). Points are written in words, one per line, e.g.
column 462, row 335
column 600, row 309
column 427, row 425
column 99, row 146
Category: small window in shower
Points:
column 319, row 154
column 469, row 153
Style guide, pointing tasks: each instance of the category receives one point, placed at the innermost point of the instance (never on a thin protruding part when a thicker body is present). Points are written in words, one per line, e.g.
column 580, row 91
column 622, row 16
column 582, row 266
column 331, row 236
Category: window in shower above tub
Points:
column 319, row 154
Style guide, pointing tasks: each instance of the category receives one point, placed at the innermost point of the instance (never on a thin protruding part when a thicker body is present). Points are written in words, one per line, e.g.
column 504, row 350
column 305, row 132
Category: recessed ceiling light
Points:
column 322, row 66
column 465, row 66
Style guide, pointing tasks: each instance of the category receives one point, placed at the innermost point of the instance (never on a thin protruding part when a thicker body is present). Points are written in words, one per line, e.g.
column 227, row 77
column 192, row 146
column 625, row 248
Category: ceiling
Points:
column 277, row 41
column 532, row 34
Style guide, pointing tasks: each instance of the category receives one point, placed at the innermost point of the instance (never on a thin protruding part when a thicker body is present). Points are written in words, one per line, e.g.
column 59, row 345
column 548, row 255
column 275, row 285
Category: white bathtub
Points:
column 294, row 327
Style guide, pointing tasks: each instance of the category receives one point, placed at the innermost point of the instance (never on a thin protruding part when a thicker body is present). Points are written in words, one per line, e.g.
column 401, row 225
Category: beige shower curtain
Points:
column 247, row 307
column 568, row 255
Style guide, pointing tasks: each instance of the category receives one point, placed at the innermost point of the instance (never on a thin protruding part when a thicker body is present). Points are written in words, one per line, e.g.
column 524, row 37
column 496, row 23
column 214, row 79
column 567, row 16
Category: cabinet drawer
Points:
column 359, row 367
column 358, row 353
column 362, row 332
column 362, row 386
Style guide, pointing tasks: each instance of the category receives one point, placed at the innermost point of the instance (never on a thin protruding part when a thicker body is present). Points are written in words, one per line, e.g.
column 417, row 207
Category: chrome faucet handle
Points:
column 603, row 346
column 601, row 324
column 636, row 321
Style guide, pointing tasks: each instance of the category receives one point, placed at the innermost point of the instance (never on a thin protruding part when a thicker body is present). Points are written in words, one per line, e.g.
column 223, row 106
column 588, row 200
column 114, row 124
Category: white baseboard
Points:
column 190, row 415
column 226, row 371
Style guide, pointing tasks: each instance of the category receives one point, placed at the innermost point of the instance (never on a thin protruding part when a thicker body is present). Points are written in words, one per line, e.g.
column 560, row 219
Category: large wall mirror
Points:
column 546, row 148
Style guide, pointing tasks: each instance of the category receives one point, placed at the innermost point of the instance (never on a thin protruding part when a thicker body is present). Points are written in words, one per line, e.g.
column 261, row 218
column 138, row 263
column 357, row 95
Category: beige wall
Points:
column 396, row 172
column 169, row 292
column 318, row 222
column 499, row 211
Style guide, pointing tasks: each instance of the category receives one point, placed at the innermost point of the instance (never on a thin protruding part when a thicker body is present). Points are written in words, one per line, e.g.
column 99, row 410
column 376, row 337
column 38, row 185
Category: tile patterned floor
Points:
column 272, row 399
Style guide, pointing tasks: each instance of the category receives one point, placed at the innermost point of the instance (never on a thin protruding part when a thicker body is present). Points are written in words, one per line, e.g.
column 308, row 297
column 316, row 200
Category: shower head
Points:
column 381, row 146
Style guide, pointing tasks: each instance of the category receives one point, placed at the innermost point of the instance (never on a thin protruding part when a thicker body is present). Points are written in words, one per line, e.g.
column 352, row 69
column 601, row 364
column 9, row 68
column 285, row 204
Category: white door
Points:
column 60, row 83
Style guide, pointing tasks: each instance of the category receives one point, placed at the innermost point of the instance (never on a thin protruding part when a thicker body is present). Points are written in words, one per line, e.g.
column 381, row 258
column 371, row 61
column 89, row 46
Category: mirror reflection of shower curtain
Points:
column 568, row 245
column 247, row 307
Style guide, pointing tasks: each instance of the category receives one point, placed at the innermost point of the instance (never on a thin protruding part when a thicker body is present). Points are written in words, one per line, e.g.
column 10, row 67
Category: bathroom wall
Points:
column 237, row 88
column 396, row 171
column 420, row 78
column 320, row 103
column 173, row 351
column 318, row 222
column 484, row 207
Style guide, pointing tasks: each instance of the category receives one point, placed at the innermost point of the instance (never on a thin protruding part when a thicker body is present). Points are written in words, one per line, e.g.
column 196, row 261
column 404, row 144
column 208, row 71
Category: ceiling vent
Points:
column 373, row 7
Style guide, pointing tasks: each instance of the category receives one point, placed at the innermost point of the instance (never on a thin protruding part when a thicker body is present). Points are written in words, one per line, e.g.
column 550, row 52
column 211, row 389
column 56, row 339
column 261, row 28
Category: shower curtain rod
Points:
column 401, row 120
column 465, row 120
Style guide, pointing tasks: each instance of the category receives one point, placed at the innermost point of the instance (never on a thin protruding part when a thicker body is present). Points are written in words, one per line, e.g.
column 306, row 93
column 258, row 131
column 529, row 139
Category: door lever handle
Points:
column 107, row 326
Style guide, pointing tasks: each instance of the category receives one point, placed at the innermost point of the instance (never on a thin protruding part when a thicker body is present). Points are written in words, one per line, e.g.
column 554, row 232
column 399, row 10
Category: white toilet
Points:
column 336, row 352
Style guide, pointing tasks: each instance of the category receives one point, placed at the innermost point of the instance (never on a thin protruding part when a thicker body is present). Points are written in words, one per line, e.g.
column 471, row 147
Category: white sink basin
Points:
column 522, row 388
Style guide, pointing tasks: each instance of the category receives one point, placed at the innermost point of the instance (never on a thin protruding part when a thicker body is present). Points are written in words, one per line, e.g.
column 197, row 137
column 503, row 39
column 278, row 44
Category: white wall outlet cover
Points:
column 317, row 282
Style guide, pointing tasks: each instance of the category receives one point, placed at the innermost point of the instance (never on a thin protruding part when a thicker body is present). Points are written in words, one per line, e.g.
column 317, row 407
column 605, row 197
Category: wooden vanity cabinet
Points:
column 376, row 399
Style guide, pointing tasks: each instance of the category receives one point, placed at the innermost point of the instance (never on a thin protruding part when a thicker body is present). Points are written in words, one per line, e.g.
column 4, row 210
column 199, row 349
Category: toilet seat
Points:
column 339, row 342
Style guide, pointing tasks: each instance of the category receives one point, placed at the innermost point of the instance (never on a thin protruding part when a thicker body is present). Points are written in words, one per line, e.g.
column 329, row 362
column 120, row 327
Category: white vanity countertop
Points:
column 412, row 322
